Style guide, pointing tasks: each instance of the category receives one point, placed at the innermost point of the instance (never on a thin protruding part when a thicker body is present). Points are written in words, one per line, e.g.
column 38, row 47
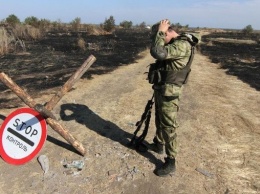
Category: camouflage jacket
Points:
column 173, row 56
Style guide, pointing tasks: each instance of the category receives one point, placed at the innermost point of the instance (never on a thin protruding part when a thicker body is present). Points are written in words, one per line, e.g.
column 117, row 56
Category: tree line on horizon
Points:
column 76, row 24
column 14, row 32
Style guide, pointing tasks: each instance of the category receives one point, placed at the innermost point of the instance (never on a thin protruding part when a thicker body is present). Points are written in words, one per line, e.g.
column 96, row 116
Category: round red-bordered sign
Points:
column 22, row 136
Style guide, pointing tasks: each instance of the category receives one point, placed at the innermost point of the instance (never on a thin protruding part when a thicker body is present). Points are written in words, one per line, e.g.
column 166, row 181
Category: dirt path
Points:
column 219, row 138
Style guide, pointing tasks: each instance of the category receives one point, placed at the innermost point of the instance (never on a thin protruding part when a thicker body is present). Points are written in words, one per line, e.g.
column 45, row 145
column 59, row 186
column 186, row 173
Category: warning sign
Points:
column 22, row 136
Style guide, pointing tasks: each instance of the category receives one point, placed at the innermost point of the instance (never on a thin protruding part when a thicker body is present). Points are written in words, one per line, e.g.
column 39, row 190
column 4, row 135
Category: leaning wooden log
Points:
column 28, row 100
column 68, row 85
column 25, row 97
column 66, row 135
column 44, row 112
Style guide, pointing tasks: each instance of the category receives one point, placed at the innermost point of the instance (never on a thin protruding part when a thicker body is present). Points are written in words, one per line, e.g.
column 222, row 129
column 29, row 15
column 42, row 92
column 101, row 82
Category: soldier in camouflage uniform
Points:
column 173, row 53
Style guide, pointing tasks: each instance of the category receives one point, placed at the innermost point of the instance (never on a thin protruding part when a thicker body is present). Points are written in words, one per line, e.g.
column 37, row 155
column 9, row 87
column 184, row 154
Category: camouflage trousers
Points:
column 166, row 108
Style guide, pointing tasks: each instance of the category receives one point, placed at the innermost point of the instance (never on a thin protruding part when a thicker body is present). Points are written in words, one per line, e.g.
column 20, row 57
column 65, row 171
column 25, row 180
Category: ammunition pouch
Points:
column 156, row 76
column 177, row 78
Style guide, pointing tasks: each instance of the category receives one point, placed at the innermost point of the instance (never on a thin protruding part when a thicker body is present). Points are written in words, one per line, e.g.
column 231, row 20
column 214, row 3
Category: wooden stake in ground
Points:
column 68, row 85
column 28, row 100
column 46, row 110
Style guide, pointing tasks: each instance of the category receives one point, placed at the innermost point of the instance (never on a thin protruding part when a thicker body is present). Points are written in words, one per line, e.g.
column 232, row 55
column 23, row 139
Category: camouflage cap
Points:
column 155, row 27
column 173, row 27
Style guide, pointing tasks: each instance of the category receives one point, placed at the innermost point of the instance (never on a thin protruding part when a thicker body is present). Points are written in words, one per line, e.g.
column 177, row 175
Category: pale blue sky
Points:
column 235, row 14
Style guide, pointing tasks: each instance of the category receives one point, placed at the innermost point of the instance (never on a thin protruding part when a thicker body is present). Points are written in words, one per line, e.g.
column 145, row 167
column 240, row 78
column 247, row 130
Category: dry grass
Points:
column 94, row 30
column 234, row 40
column 27, row 32
column 12, row 38
column 4, row 41
column 81, row 44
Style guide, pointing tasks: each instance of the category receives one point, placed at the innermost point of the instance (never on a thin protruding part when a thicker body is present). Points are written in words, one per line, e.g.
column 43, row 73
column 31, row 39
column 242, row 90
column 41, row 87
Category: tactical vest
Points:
column 157, row 75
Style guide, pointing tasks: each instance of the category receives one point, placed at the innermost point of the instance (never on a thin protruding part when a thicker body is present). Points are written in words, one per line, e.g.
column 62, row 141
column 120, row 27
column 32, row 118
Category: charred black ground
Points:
column 239, row 59
column 49, row 63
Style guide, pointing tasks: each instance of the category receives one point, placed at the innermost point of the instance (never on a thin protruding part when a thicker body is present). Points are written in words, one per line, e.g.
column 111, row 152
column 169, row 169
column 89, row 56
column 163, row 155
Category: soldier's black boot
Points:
column 167, row 168
column 156, row 147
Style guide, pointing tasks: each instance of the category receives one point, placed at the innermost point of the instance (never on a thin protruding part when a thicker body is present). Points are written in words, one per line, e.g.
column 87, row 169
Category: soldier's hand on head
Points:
column 164, row 25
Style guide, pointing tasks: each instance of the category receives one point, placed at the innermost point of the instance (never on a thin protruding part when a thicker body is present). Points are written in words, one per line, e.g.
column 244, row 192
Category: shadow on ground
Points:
column 84, row 116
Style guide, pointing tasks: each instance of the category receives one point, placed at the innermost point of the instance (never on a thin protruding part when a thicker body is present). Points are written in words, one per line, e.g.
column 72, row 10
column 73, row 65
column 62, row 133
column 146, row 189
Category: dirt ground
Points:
column 218, row 136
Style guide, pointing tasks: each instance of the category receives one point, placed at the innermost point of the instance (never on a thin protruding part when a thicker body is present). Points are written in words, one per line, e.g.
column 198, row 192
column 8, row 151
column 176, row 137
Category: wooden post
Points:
column 26, row 98
column 17, row 90
column 68, row 85
column 66, row 135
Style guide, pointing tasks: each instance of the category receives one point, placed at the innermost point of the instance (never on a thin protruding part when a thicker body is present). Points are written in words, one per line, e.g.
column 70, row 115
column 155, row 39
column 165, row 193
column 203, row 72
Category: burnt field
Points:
column 219, row 116
column 238, row 53
column 48, row 63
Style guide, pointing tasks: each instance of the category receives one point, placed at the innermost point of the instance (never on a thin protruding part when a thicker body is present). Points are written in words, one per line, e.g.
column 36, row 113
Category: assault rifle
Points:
column 137, row 142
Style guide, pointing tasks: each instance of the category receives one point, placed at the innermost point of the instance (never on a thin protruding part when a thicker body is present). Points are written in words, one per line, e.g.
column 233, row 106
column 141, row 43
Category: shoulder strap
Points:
column 190, row 38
